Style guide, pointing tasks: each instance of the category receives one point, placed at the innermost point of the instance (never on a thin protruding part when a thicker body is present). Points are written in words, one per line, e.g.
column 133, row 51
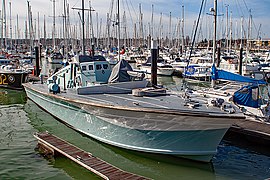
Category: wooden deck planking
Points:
column 85, row 159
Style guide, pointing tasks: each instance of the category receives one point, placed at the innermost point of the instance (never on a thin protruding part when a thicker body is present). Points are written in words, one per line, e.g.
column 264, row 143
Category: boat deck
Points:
column 169, row 103
column 85, row 159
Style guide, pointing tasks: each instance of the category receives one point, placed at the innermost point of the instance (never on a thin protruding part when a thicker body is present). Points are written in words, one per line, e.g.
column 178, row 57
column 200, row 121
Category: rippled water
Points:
column 20, row 118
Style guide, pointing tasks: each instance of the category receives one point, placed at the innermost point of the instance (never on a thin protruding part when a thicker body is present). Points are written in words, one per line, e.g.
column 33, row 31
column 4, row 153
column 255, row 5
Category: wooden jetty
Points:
column 54, row 145
column 253, row 131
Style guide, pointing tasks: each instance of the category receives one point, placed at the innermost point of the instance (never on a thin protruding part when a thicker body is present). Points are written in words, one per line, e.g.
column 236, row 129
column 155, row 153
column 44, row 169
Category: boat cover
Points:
column 244, row 97
column 119, row 72
column 221, row 74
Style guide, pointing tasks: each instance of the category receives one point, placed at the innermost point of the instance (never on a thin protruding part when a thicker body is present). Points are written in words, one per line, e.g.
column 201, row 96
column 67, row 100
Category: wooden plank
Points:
column 85, row 159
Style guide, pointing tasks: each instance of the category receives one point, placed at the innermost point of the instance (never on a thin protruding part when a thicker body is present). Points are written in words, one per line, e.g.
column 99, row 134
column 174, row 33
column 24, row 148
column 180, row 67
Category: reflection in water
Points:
column 8, row 96
column 18, row 159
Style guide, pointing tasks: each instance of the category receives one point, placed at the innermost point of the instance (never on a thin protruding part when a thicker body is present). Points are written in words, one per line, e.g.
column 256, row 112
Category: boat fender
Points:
column 190, row 70
column 54, row 88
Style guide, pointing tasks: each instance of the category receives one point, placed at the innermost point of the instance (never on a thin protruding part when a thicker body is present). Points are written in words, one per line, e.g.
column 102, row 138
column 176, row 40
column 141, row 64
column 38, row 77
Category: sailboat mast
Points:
column 38, row 30
column 215, row 30
column 83, row 30
column 182, row 30
column 152, row 22
column 4, row 24
column 53, row 33
column 118, row 23
column 214, row 37
column 44, row 30
column 10, row 24
column 17, row 30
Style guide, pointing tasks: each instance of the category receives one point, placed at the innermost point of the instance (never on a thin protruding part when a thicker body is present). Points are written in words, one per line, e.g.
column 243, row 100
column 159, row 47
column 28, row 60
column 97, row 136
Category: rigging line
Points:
column 201, row 23
column 246, row 5
column 75, row 4
column 239, row 7
column 134, row 10
column 194, row 37
column 129, row 12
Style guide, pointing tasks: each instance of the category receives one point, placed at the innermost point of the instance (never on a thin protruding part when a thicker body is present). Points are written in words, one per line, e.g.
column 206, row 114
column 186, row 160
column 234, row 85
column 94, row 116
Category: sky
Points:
column 236, row 9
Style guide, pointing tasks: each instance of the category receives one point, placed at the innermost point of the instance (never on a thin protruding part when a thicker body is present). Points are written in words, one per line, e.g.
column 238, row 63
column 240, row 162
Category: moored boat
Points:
column 118, row 109
column 12, row 77
column 55, row 58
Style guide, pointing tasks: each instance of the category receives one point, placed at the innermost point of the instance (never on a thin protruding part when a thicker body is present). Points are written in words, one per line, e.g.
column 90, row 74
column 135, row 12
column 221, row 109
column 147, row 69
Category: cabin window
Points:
column 91, row 67
column 105, row 66
column 255, row 94
column 83, row 68
column 98, row 67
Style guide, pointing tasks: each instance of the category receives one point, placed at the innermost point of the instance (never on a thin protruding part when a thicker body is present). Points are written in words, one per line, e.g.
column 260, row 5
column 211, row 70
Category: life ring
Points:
column 190, row 70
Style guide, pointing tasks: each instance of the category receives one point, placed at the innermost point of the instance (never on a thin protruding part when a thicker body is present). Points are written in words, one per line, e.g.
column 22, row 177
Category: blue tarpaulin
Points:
column 244, row 97
column 221, row 74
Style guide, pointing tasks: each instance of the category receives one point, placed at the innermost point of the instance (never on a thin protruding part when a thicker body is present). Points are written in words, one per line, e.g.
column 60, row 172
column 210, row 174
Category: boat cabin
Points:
column 83, row 71
column 5, row 61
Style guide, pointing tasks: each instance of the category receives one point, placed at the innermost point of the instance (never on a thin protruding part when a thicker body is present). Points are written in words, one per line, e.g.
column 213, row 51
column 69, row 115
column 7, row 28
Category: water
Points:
column 20, row 118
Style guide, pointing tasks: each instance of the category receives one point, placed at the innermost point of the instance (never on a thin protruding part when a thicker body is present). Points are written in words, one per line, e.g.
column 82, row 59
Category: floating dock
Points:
column 53, row 145
column 253, row 131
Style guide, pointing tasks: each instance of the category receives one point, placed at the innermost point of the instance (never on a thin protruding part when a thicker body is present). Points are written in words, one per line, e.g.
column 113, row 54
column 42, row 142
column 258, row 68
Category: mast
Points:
column 214, row 36
column 4, row 24
column 38, row 30
column 249, row 33
column 10, row 24
column 242, row 22
column 30, row 26
column 183, row 25
column 65, row 24
column 230, row 44
column 170, row 30
column 152, row 22
column 118, row 23
column 53, row 33
column 44, row 29
column 83, row 30
column 141, row 25
column 215, row 30
column 18, row 30
column 227, row 28
column 97, row 29
column 124, row 22
column 91, row 25
column 160, row 30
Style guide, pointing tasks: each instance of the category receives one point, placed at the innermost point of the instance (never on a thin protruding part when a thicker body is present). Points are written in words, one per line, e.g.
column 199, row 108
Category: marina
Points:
column 143, row 99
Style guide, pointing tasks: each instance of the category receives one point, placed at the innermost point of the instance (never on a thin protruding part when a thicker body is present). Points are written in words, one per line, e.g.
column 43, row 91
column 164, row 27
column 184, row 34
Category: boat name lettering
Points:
column 3, row 79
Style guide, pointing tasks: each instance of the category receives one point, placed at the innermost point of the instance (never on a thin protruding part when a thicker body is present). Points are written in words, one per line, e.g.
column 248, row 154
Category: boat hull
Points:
column 191, row 137
column 55, row 61
column 12, row 80
column 160, row 71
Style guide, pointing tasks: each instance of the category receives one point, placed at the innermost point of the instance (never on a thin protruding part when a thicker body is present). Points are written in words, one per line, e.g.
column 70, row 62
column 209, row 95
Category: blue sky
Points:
column 259, row 10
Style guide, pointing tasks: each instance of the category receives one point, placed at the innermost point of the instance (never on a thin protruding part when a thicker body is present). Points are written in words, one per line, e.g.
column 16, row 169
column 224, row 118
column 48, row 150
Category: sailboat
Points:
column 119, row 107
